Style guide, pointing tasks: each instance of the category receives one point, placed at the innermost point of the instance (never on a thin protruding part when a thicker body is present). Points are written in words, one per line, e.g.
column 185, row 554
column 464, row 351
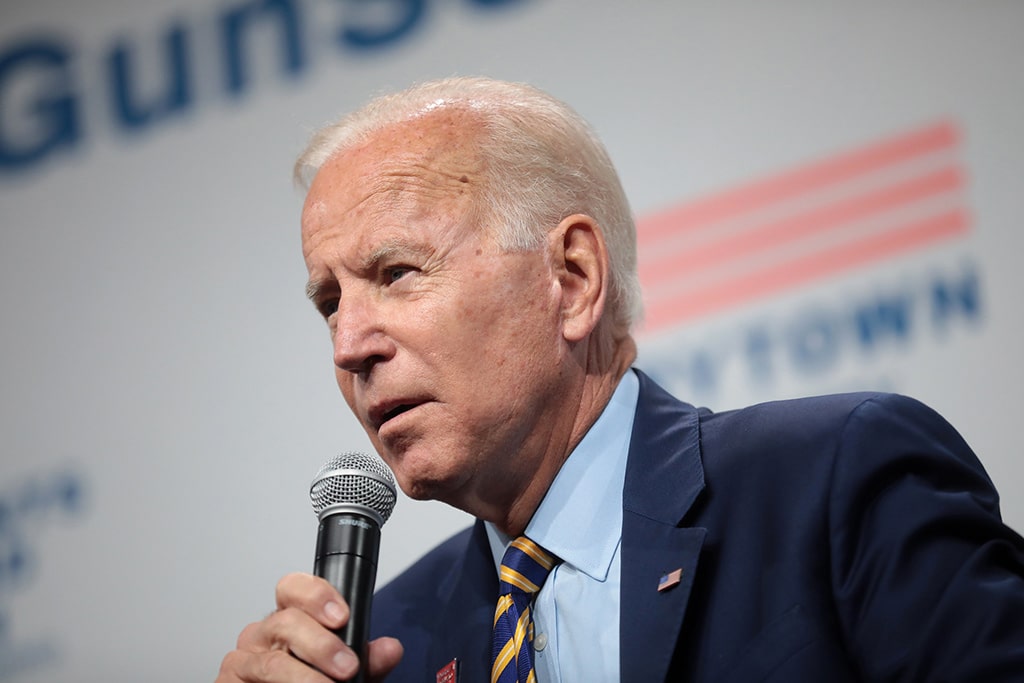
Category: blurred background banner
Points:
column 829, row 198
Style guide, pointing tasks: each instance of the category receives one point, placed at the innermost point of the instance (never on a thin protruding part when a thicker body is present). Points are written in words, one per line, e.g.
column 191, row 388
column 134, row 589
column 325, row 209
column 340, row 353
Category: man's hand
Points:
column 295, row 643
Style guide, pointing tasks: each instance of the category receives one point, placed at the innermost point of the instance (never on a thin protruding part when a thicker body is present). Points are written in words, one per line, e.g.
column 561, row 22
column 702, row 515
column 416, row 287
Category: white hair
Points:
column 543, row 163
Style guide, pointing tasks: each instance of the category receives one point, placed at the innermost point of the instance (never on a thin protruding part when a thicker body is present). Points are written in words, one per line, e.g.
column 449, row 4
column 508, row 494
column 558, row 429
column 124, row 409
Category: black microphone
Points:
column 353, row 494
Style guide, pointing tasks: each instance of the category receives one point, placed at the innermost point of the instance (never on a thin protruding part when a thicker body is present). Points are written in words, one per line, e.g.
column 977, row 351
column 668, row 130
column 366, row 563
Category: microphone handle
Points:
column 347, row 547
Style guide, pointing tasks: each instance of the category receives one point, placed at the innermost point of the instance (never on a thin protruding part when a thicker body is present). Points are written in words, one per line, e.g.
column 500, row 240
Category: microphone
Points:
column 353, row 494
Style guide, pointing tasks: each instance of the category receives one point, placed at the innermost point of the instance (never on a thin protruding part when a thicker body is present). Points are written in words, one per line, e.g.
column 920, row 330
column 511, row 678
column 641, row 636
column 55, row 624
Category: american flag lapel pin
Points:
column 670, row 580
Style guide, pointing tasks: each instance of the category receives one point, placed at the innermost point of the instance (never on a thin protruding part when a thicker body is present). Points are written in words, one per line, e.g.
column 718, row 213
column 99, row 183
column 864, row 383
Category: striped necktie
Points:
column 524, row 568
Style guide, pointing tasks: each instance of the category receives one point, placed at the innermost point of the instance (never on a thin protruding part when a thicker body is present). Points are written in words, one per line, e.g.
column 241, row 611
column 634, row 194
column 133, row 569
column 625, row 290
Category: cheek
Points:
column 345, row 383
column 514, row 347
column 528, row 314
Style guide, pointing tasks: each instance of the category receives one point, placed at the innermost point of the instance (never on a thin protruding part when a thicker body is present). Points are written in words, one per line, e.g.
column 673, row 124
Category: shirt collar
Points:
column 580, row 517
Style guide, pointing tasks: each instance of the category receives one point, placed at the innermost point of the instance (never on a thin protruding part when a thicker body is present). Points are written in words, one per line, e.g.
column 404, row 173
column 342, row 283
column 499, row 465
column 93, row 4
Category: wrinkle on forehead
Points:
column 402, row 194
column 399, row 184
column 442, row 142
column 427, row 167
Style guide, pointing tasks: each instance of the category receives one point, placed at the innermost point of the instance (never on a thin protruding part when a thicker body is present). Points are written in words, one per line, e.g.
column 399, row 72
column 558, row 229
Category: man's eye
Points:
column 328, row 307
column 396, row 273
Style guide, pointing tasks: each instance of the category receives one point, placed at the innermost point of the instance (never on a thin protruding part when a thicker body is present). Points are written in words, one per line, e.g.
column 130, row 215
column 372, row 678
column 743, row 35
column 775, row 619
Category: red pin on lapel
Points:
column 449, row 673
column 670, row 580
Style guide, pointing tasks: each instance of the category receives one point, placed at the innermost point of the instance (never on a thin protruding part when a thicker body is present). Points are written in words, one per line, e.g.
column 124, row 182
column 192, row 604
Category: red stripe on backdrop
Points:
column 668, row 265
column 810, row 178
column 690, row 304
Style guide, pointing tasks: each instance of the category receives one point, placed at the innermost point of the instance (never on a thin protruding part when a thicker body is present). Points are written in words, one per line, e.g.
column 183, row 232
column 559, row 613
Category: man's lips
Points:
column 381, row 413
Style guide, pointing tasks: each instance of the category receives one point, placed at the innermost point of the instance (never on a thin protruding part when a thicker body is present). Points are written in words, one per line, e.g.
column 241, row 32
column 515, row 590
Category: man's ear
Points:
column 581, row 261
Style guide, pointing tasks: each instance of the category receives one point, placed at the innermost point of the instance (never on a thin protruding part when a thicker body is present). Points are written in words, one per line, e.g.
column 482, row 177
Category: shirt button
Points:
column 540, row 642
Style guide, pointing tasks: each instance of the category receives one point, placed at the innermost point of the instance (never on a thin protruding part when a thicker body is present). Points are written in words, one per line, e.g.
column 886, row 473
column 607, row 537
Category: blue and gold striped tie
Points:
column 524, row 568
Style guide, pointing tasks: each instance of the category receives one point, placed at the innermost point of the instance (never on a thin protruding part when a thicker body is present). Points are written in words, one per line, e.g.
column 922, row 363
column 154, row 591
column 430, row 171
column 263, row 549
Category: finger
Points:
column 273, row 666
column 291, row 630
column 315, row 597
column 383, row 655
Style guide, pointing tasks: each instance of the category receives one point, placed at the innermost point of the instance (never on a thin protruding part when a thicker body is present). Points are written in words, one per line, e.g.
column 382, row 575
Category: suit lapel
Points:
column 464, row 619
column 664, row 478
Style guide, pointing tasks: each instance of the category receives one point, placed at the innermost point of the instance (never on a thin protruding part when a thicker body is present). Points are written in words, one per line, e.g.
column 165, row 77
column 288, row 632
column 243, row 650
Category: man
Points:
column 471, row 249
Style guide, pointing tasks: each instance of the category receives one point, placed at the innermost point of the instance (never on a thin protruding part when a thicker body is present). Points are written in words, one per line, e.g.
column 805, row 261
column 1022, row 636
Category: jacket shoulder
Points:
column 812, row 424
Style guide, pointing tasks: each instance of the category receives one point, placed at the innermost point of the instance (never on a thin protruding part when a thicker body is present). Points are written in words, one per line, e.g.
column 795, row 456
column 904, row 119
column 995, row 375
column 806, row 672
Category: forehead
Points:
column 432, row 159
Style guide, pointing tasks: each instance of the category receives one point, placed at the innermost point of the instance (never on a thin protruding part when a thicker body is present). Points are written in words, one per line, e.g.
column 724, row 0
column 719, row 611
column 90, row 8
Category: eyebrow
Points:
column 315, row 288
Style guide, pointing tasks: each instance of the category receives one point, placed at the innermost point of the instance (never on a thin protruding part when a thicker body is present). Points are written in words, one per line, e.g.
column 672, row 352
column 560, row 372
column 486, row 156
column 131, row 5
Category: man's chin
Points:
column 421, row 489
column 426, row 485
column 423, row 473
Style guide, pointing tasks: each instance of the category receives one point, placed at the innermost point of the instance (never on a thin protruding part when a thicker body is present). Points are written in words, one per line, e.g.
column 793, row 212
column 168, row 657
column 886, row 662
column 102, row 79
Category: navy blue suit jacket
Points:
column 844, row 538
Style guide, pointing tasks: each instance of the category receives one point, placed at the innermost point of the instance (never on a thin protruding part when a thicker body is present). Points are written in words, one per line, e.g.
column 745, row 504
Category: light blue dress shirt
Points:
column 576, row 615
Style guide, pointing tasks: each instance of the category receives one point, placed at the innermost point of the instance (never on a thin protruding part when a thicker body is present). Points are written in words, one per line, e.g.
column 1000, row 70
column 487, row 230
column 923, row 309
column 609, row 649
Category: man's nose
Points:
column 360, row 340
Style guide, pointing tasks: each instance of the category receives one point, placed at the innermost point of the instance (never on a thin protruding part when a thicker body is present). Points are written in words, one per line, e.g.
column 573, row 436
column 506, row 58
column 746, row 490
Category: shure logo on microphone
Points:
column 355, row 522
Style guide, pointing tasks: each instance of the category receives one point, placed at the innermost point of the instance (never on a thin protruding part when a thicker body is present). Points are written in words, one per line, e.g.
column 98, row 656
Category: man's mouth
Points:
column 397, row 410
column 387, row 412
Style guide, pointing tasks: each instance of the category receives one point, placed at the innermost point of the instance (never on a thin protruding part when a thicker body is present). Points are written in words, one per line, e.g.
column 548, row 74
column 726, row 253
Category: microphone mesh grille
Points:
column 354, row 479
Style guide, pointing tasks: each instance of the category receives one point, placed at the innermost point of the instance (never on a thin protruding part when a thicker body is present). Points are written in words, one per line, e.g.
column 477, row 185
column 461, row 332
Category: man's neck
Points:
column 598, row 385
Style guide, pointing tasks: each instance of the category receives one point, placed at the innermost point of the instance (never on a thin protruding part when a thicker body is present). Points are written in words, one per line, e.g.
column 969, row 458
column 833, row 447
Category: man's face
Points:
column 448, row 350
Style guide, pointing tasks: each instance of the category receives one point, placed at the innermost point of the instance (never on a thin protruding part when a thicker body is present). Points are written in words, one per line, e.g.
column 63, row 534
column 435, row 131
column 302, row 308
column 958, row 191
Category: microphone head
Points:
column 354, row 482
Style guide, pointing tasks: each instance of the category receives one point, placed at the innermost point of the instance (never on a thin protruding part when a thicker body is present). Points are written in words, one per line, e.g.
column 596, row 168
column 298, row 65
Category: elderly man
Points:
column 471, row 249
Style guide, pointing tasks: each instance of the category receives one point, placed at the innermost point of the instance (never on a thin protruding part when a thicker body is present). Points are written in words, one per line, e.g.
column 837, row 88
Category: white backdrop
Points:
column 167, row 392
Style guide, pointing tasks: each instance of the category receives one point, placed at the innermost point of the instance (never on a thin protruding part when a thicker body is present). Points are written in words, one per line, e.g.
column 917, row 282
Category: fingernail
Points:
column 345, row 664
column 334, row 611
